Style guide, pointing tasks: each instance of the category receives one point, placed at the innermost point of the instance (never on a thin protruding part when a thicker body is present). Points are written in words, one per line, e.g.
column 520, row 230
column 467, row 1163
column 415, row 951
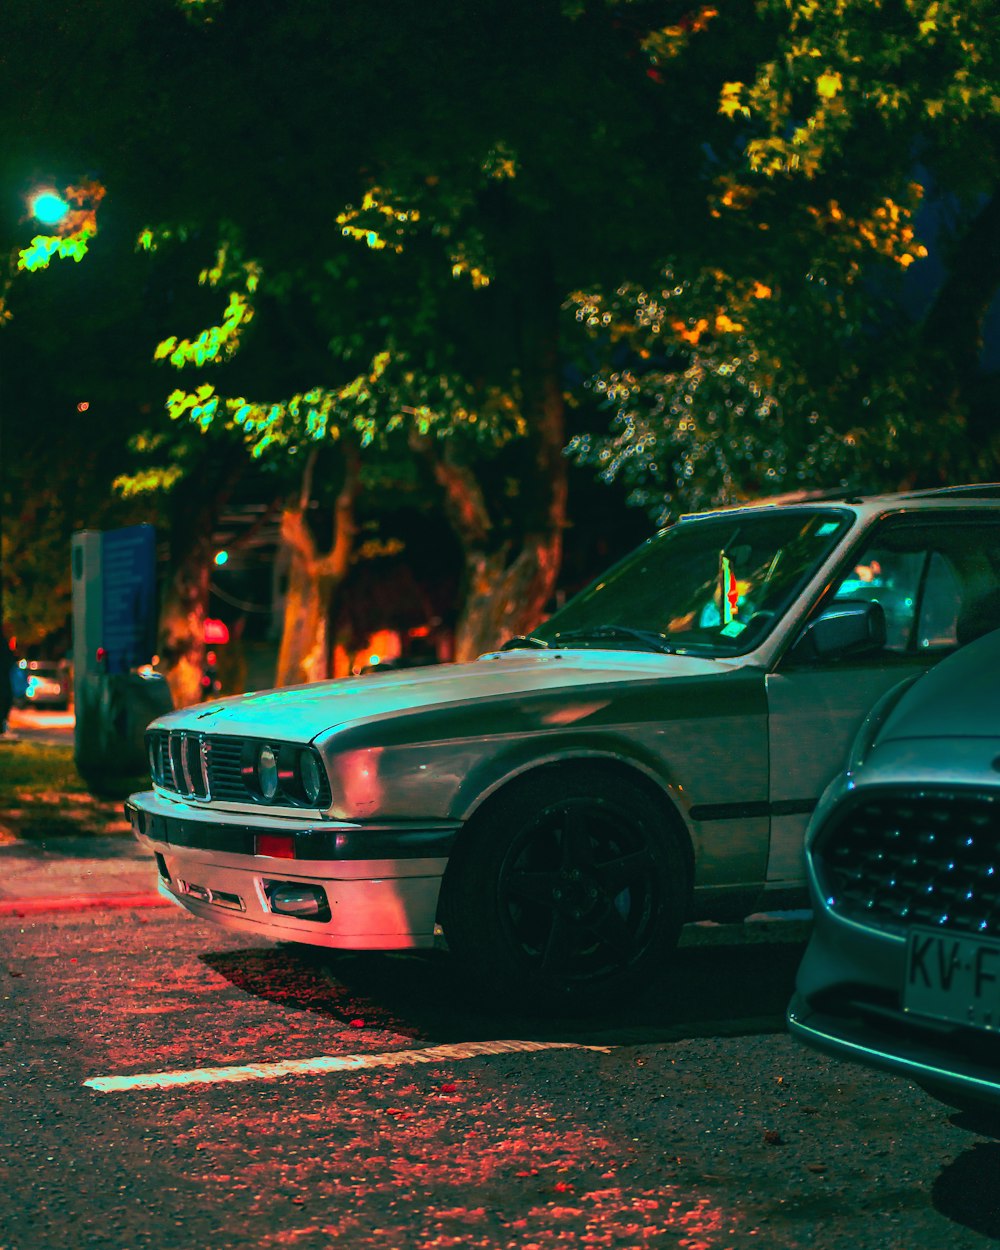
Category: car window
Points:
column 938, row 581
column 713, row 585
column 891, row 578
column 940, row 605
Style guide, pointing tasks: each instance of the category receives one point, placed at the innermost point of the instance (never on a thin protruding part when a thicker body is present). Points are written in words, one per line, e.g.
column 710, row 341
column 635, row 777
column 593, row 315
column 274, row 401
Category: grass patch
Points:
column 29, row 769
column 42, row 795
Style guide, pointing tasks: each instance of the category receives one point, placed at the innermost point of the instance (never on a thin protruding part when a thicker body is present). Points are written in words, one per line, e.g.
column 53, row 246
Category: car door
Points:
column 932, row 574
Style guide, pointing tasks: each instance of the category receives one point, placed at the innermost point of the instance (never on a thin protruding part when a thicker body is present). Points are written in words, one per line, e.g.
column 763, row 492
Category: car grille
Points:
column 210, row 766
column 904, row 859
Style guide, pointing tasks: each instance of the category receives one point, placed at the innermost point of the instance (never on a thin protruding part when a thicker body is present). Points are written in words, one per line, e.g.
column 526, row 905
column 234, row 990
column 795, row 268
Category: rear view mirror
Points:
column 849, row 628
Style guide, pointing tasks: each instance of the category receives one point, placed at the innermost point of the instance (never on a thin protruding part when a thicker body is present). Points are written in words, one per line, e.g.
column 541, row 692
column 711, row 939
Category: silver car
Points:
column 903, row 968
column 557, row 809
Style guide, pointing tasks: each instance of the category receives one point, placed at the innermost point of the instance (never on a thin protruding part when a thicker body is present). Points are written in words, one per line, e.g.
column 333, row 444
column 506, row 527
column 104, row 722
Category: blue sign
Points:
column 128, row 568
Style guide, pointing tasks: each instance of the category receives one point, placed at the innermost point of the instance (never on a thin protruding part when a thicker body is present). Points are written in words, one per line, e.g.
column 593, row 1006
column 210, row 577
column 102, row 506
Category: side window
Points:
column 937, row 579
column 940, row 605
column 892, row 578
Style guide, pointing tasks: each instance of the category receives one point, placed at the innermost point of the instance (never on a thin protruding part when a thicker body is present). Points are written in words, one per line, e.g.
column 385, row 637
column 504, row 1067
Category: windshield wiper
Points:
column 650, row 639
column 523, row 640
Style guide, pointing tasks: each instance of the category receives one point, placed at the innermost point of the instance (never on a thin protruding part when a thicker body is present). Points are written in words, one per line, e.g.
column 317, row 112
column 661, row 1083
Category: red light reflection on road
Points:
column 499, row 1151
column 394, row 1161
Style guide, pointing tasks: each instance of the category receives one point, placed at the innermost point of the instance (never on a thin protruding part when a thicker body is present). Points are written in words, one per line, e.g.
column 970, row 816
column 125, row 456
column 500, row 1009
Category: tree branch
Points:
column 337, row 560
column 464, row 503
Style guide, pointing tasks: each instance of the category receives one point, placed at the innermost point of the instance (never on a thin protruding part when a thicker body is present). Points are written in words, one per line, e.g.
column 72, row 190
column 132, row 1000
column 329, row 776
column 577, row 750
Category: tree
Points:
column 472, row 224
column 396, row 267
column 806, row 347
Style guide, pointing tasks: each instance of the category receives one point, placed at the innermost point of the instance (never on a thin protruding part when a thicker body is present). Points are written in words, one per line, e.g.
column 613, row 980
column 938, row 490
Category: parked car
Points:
column 43, row 683
column 557, row 809
column 903, row 968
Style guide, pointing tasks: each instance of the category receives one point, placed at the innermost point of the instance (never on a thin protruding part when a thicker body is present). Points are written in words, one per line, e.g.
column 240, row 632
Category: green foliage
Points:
column 201, row 12
column 32, row 771
column 448, row 233
column 702, row 415
column 44, row 247
column 229, row 269
column 896, row 65
column 384, row 256
column 785, row 357
column 43, row 796
column 70, row 238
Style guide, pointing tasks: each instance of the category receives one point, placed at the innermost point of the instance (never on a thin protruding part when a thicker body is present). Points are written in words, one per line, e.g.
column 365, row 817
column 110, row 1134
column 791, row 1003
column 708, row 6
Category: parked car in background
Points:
column 903, row 968
column 43, row 683
column 557, row 809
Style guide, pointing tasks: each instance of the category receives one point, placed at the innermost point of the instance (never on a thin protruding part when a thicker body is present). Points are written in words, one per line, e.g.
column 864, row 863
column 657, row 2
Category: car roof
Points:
column 986, row 492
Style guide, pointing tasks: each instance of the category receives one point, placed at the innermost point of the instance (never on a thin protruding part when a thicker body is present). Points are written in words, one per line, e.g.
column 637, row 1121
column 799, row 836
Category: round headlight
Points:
column 309, row 773
column 267, row 773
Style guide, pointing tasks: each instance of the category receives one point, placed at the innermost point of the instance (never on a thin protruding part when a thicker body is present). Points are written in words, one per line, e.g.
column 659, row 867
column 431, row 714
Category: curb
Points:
column 79, row 902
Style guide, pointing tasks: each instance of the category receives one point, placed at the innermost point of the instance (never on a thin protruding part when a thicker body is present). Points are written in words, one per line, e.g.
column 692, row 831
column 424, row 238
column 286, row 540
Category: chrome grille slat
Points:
column 225, row 777
column 930, row 859
column 208, row 766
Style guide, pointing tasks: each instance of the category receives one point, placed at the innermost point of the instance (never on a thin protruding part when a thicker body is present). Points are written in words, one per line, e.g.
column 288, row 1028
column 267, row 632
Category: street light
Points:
column 48, row 208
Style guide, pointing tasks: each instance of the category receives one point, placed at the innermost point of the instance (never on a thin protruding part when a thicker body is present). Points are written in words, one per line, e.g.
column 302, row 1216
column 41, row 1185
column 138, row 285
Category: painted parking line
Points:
column 323, row 1063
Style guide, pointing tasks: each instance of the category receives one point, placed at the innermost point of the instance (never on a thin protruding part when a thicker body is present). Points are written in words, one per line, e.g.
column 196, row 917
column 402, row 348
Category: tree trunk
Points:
column 313, row 576
column 506, row 590
column 182, row 626
column 506, row 598
column 195, row 508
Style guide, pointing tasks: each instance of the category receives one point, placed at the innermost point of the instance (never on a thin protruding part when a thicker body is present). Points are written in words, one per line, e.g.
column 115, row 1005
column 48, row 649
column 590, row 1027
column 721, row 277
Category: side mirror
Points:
column 849, row 628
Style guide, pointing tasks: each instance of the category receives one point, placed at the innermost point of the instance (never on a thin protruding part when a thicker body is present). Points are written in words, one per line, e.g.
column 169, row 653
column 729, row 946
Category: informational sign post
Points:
column 114, row 636
column 128, row 568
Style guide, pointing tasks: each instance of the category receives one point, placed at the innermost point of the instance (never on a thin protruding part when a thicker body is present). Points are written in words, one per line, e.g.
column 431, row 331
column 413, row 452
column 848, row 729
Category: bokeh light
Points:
column 48, row 207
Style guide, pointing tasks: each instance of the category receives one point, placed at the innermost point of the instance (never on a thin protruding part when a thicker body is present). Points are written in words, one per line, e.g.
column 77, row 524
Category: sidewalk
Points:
column 68, row 873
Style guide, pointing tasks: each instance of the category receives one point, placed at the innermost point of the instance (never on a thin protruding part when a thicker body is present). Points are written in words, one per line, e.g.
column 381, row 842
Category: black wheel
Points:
column 567, row 887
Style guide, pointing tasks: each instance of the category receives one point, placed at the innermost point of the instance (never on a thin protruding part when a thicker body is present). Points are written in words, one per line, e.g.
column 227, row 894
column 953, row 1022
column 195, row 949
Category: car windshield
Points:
column 713, row 585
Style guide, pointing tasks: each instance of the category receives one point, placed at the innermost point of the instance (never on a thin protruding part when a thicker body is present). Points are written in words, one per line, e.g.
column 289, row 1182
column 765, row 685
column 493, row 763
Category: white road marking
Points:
column 322, row 1063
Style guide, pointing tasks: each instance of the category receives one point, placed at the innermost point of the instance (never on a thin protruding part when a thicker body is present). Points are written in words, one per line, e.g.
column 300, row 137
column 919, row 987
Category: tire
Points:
column 567, row 888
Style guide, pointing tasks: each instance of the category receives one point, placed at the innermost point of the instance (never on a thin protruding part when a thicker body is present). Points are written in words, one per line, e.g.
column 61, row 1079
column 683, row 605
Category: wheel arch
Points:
column 591, row 762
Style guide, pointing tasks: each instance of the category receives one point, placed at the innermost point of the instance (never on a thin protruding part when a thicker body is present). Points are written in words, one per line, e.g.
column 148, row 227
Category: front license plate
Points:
column 953, row 977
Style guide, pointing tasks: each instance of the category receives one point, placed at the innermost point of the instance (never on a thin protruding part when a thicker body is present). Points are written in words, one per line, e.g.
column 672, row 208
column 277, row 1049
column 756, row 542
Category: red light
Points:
column 206, row 681
column 216, row 631
column 276, row 845
column 101, row 655
column 82, row 407
column 211, row 657
column 419, row 631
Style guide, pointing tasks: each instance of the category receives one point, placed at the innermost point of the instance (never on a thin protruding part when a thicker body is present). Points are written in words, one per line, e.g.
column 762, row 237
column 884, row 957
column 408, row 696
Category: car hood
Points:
column 303, row 713
column 960, row 698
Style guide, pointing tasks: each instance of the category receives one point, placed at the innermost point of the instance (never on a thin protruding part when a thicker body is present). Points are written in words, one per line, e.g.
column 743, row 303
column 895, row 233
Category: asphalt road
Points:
column 164, row 1085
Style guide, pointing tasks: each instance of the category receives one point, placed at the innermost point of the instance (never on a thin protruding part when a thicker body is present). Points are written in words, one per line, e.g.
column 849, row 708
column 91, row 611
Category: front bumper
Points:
column 380, row 884
column 847, row 1004
column 934, row 1060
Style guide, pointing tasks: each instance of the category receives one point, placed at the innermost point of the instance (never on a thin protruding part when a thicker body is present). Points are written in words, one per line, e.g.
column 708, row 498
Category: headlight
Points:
column 283, row 773
column 267, row 773
column 312, row 785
